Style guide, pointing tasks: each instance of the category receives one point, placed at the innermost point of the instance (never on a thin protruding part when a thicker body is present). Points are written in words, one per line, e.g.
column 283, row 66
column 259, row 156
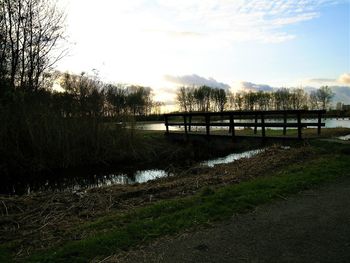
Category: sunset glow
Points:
column 277, row 43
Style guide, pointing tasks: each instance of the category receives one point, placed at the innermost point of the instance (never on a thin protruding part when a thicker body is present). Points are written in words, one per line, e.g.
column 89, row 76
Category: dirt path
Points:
column 313, row 226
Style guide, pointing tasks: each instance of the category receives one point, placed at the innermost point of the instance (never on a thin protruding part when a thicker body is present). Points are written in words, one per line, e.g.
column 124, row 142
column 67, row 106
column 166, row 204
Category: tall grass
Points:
column 34, row 136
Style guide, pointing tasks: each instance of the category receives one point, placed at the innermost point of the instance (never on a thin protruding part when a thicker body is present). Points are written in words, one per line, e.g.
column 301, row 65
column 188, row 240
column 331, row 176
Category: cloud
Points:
column 322, row 80
column 249, row 86
column 170, row 102
column 344, row 78
column 169, row 90
column 243, row 20
column 190, row 80
column 341, row 94
column 174, row 33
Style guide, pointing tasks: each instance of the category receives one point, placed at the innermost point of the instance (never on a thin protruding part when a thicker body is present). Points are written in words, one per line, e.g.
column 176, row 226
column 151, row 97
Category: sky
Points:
column 230, row 44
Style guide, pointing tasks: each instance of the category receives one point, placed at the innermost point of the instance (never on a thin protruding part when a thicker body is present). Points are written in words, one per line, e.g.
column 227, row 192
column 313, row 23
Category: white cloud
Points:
column 240, row 20
column 249, row 86
column 344, row 78
column 323, row 81
column 195, row 80
column 223, row 20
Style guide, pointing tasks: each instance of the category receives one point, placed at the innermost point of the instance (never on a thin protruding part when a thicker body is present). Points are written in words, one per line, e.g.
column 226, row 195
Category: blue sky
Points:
column 320, row 49
column 167, row 43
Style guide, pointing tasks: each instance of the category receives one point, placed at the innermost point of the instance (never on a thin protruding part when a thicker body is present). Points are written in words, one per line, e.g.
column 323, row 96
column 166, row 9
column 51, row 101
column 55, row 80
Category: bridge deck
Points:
column 259, row 119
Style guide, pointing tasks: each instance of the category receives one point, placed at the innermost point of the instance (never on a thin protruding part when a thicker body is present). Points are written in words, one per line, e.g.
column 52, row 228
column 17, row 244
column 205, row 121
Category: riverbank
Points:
column 157, row 156
column 141, row 150
column 116, row 150
column 73, row 226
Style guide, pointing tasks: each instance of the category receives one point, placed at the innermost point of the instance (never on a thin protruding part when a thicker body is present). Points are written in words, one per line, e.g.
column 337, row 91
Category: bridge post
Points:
column 263, row 125
column 256, row 124
column 319, row 123
column 166, row 124
column 299, row 125
column 185, row 124
column 207, row 124
column 232, row 127
column 189, row 122
column 285, row 123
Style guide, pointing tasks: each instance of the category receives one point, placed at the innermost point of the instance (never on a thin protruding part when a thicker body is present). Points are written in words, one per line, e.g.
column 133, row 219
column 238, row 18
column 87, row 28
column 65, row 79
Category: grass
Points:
column 120, row 232
column 306, row 132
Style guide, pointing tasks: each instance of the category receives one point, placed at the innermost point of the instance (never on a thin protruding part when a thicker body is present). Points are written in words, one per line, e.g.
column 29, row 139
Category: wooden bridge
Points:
column 296, row 119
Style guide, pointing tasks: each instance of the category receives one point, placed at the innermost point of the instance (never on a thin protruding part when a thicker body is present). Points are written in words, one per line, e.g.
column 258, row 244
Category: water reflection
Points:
column 95, row 181
column 78, row 182
column 329, row 122
column 231, row 158
column 148, row 175
column 344, row 138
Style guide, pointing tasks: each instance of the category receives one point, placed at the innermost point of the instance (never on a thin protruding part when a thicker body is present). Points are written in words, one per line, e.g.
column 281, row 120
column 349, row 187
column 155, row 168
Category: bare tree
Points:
column 30, row 33
column 230, row 100
column 219, row 99
column 324, row 95
column 3, row 42
column 239, row 100
column 181, row 98
column 157, row 107
column 298, row 99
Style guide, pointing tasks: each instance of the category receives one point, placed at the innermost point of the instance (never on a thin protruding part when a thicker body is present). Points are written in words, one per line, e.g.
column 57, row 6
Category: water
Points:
column 140, row 176
column 329, row 122
column 83, row 180
column 231, row 158
column 344, row 138
column 148, row 175
column 337, row 123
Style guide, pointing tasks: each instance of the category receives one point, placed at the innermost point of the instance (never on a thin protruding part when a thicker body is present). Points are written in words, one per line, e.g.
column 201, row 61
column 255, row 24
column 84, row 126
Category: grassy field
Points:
column 116, row 232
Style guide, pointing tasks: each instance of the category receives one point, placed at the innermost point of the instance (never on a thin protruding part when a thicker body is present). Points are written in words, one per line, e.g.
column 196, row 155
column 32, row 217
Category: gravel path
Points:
column 313, row 226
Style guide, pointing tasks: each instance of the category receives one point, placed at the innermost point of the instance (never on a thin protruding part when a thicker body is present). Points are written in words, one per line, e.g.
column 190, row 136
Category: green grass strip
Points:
column 113, row 233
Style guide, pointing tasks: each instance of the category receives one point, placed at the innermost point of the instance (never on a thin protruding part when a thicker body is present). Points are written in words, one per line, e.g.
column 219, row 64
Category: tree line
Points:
column 206, row 98
column 88, row 96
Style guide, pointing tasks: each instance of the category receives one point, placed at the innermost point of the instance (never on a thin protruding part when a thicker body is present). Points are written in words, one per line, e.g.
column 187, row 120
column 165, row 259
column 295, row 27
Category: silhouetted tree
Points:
column 138, row 100
column 298, row 99
column 116, row 98
column 324, row 95
column 181, row 97
column 230, row 100
column 29, row 33
column 239, row 100
column 219, row 99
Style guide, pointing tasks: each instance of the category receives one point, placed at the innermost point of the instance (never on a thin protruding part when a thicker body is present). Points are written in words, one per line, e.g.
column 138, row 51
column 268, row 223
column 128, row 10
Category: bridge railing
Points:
column 259, row 119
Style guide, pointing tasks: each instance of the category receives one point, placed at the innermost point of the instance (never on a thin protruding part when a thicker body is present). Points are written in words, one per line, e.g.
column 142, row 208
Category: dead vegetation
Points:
column 42, row 220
